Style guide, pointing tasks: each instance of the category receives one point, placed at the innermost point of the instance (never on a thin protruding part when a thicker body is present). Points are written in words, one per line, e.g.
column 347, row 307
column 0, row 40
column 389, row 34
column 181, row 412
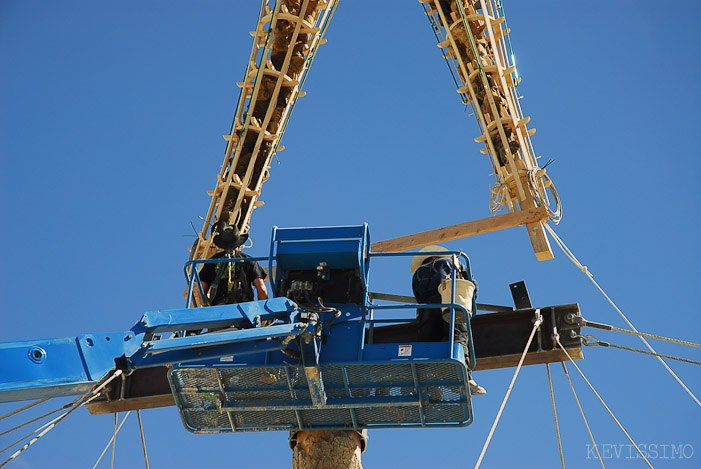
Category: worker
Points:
column 429, row 272
column 236, row 280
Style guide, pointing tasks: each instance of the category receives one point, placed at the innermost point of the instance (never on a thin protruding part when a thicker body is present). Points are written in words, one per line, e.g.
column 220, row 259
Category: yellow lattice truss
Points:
column 471, row 35
column 286, row 38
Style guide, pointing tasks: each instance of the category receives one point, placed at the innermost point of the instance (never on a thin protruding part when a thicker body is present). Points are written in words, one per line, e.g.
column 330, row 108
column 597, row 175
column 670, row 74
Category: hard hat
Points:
column 227, row 236
column 418, row 260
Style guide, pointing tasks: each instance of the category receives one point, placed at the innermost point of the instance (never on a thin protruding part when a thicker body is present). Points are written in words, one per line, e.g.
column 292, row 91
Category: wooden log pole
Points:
column 323, row 449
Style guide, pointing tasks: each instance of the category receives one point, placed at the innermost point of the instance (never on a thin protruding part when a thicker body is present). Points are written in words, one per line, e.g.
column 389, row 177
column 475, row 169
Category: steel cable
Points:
column 557, row 424
column 584, row 269
column 564, row 368
column 29, row 406
column 536, row 324
column 113, row 439
column 607, row 327
column 143, row 440
column 557, row 339
column 590, row 341
column 78, row 403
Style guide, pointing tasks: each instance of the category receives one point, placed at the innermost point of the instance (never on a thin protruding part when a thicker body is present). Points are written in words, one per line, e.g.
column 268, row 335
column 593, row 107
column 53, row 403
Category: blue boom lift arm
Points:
column 72, row 365
column 320, row 355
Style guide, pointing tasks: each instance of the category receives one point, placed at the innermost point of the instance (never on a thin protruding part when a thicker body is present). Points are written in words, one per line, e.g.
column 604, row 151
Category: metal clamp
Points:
column 588, row 340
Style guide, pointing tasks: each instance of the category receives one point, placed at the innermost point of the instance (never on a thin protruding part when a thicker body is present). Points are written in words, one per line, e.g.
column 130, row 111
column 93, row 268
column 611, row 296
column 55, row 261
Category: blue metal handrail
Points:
column 192, row 276
column 452, row 305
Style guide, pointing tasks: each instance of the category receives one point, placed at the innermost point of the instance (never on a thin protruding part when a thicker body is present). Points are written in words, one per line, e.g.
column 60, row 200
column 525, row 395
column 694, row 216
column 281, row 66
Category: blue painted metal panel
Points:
column 210, row 356
column 223, row 337
column 307, row 256
column 342, row 342
column 321, row 232
column 341, row 247
column 242, row 314
column 72, row 365
column 412, row 351
column 59, row 367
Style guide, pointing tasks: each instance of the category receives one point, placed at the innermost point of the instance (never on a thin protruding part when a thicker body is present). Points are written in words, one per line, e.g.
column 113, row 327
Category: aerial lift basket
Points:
column 342, row 380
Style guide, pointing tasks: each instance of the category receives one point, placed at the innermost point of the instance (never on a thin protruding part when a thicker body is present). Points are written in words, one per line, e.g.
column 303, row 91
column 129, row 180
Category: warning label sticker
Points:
column 405, row 350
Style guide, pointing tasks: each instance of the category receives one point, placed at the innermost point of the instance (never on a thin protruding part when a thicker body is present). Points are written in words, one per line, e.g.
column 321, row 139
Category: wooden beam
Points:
column 536, row 232
column 532, row 358
column 137, row 403
column 485, row 225
column 539, row 241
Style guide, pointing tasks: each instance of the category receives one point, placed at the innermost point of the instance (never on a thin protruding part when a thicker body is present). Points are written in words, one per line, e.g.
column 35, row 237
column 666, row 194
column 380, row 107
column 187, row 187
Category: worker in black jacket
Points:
column 234, row 281
column 429, row 272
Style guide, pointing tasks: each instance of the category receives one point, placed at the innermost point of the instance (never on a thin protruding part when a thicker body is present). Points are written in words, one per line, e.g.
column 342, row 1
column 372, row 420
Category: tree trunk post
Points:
column 323, row 449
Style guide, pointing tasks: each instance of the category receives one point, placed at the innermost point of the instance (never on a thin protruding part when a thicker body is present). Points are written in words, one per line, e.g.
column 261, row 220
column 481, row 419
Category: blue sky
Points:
column 111, row 116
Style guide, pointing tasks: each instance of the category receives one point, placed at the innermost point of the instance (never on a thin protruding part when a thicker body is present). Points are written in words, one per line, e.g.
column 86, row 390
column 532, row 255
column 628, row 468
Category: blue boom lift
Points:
column 316, row 356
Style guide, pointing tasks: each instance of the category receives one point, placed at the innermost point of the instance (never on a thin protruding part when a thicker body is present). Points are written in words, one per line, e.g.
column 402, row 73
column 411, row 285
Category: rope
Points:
column 114, row 438
column 590, row 341
column 78, row 403
column 557, row 339
column 29, row 406
column 143, row 441
column 564, row 368
column 539, row 195
column 584, row 269
column 536, row 324
column 557, row 425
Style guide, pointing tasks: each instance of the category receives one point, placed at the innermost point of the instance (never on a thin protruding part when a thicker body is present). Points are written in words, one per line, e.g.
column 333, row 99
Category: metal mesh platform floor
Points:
column 426, row 393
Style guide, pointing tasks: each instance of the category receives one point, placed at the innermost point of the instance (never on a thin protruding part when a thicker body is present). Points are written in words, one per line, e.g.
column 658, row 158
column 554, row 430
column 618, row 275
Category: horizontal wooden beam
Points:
column 133, row 403
column 462, row 230
column 532, row 358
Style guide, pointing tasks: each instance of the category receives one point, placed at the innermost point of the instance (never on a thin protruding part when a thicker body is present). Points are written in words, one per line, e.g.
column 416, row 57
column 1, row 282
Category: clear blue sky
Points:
column 111, row 116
